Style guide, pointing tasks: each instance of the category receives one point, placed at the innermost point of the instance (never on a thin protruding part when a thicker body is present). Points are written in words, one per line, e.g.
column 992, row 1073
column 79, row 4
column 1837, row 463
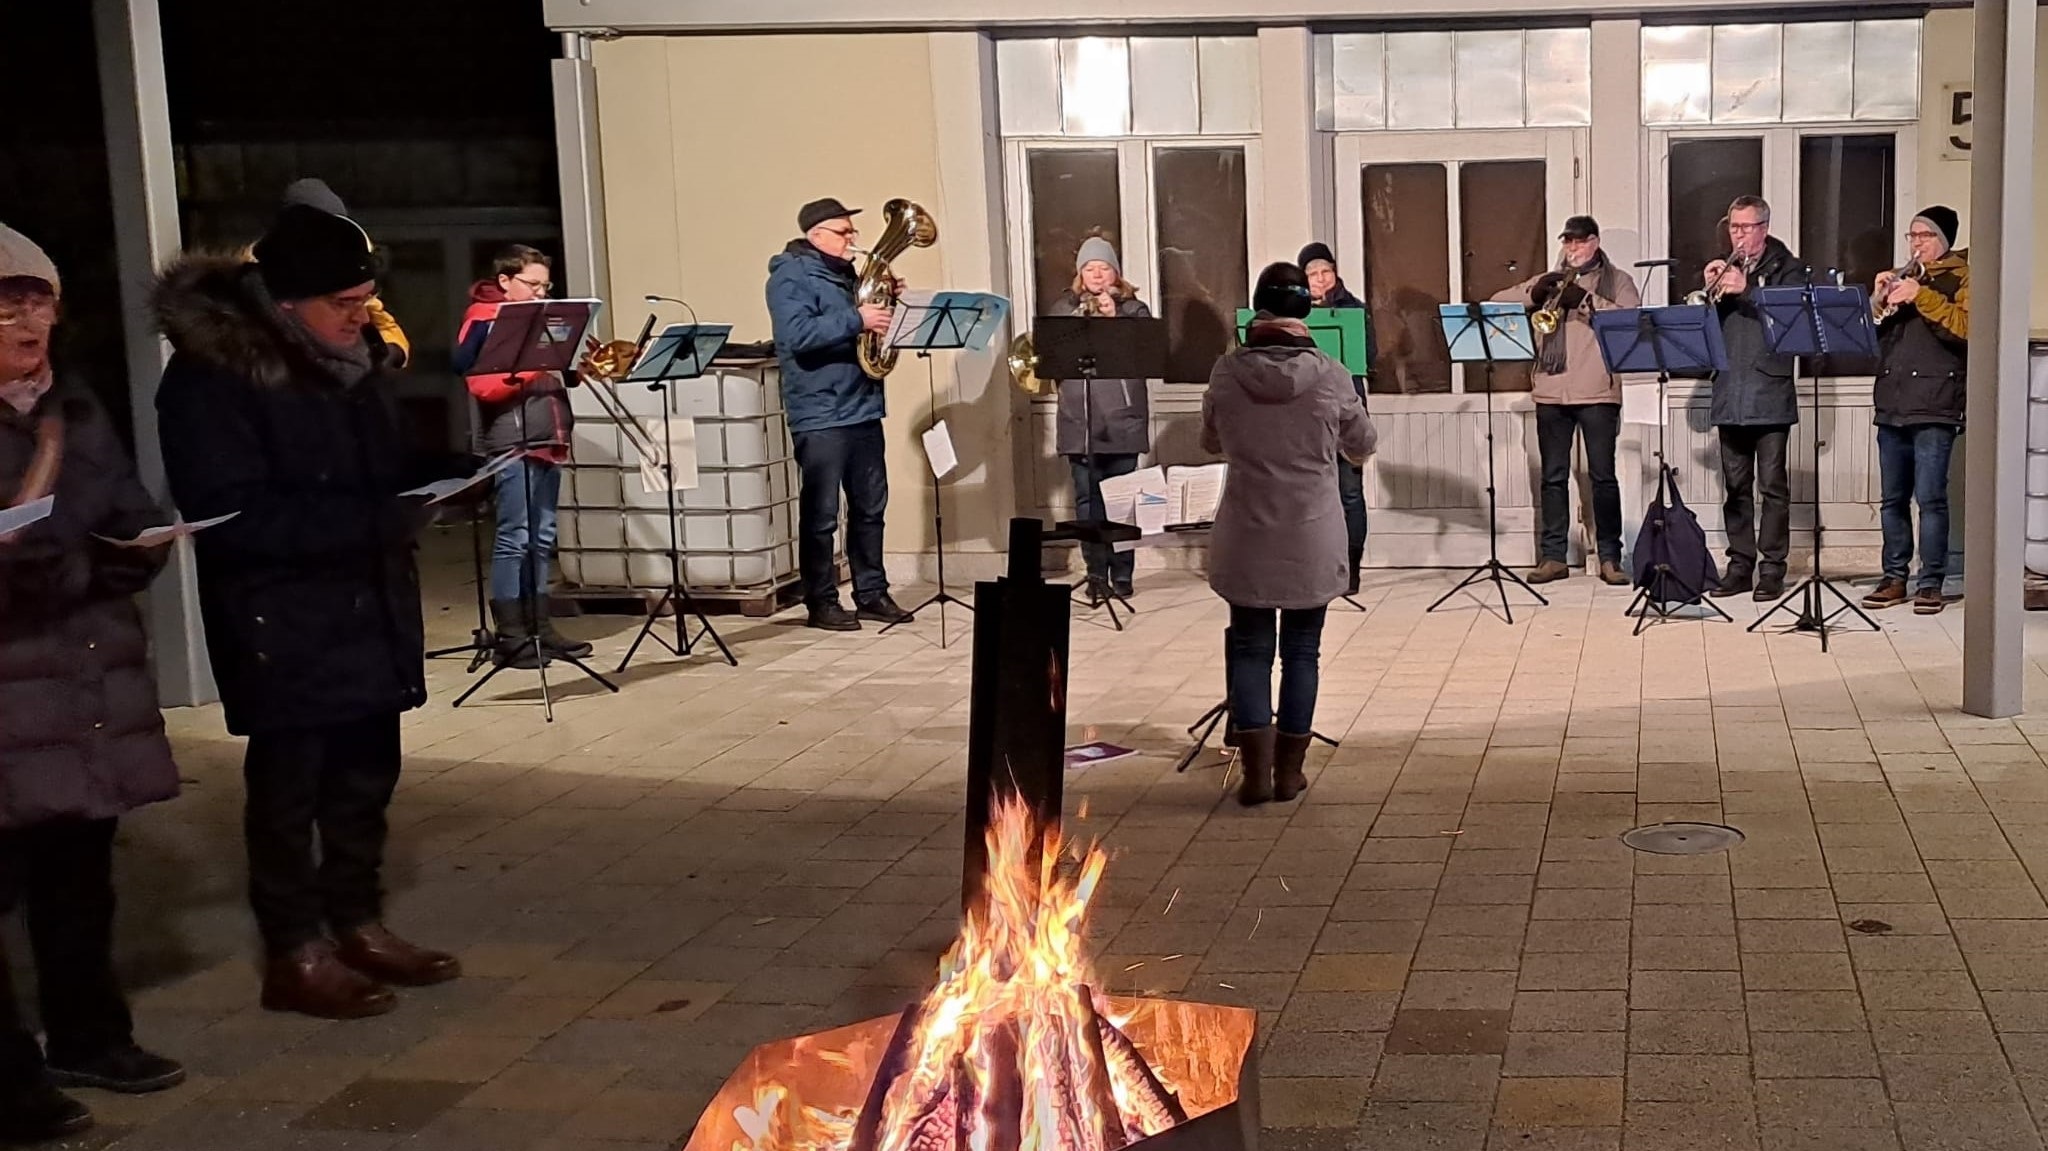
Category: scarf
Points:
column 22, row 395
column 348, row 366
column 1551, row 359
column 1269, row 330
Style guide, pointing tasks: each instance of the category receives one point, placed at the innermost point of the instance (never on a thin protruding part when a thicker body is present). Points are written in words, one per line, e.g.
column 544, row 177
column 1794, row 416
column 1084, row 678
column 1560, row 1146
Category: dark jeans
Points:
column 1599, row 424
column 1351, row 492
column 335, row 781
column 1755, row 456
column 1103, row 562
column 832, row 459
column 63, row 872
column 1248, row 648
column 526, row 531
column 1913, row 464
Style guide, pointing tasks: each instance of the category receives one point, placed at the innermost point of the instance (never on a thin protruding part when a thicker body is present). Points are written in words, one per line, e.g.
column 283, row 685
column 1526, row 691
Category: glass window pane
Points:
column 1847, row 192
column 1503, row 228
column 1095, row 86
column 1419, row 70
column 1887, row 70
column 1747, row 77
column 1028, row 87
column 1818, row 84
column 1407, row 274
column 1559, row 64
column 1706, row 176
column 1358, row 80
column 1677, row 74
column 1073, row 192
column 1230, row 85
column 1204, row 274
column 1165, row 99
column 1489, row 77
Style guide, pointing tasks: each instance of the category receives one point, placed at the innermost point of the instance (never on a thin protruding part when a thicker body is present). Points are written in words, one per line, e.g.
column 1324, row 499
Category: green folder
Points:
column 1339, row 332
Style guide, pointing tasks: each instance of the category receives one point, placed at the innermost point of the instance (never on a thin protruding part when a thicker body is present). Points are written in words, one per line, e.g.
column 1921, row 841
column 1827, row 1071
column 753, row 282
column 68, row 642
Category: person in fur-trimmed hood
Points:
column 274, row 407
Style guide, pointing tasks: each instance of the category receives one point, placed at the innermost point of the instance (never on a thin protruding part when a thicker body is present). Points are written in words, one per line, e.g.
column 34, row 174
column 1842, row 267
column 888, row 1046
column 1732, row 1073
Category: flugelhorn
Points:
column 1711, row 294
column 604, row 365
column 906, row 225
column 1880, row 308
column 1550, row 317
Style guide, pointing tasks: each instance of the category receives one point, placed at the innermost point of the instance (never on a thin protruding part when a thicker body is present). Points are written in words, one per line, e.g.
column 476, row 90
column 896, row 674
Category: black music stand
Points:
column 531, row 339
column 482, row 640
column 681, row 352
column 1680, row 338
column 945, row 324
column 1089, row 348
column 1205, row 727
column 1489, row 334
column 1811, row 321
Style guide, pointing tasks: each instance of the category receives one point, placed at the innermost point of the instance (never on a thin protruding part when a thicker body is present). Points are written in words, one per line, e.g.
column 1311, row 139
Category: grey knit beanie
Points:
column 1096, row 248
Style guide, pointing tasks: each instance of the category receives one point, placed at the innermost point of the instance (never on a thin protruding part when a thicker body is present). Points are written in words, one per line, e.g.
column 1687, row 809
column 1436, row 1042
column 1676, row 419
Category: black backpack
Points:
column 1672, row 542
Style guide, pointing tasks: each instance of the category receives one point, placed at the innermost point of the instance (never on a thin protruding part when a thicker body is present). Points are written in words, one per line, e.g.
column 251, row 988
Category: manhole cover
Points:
column 1682, row 838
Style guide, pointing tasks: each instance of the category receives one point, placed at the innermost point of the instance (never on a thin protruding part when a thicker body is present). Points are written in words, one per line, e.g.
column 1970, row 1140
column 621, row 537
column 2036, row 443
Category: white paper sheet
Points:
column 1639, row 404
column 440, row 490
column 1120, row 493
column 938, row 450
column 910, row 307
column 34, row 511
column 1153, row 509
column 682, row 449
column 158, row 536
column 1197, row 492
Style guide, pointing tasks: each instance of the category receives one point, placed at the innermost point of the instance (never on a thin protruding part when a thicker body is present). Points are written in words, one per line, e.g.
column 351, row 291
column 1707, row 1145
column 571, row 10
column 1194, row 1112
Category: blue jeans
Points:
column 852, row 459
column 1248, row 649
column 1103, row 562
column 525, row 532
column 1913, row 465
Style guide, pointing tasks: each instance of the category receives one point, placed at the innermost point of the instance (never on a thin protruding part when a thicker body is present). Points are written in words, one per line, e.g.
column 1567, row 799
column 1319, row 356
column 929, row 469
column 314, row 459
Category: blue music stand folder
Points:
column 948, row 321
column 1491, row 331
column 680, row 352
column 1823, row 320
column 1680, row 338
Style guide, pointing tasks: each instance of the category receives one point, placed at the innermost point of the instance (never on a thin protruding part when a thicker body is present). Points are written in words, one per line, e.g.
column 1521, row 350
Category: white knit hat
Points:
column 20, row 256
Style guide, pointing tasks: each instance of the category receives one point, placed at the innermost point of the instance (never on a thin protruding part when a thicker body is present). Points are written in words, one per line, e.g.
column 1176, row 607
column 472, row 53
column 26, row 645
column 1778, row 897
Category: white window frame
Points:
column 1137, row 229
column 1561, row 149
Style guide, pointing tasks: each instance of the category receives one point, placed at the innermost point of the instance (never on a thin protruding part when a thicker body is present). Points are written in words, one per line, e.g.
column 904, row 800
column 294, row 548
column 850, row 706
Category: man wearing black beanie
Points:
column 1923, row 346
column 273, row 407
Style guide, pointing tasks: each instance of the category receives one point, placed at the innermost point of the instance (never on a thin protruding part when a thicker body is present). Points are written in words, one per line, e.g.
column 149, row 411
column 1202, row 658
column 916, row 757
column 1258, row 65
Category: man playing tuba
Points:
column 835, row 413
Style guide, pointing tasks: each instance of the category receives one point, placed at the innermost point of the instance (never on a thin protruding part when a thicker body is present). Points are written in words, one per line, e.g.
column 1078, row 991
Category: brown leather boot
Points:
column 373, row 950
column 1255, row 760
column 1289, row 751
column 312, row 980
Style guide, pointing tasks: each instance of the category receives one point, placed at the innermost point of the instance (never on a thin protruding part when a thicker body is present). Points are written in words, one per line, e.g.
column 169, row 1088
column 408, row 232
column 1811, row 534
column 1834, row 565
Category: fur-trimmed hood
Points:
column 212, row 308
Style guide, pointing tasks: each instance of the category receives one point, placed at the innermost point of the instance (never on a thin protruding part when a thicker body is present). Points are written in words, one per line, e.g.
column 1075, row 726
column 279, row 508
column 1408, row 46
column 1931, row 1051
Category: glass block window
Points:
column 1824, row 71
column 1106, row 86
column 1369, row 81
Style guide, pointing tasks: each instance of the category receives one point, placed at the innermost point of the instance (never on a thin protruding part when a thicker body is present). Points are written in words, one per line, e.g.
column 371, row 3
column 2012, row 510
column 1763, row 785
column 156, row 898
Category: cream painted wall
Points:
column 710, row 144
column 1947, row 59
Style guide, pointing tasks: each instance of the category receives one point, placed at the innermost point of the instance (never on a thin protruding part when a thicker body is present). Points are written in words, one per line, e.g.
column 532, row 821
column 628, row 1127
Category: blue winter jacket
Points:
column 810, row 300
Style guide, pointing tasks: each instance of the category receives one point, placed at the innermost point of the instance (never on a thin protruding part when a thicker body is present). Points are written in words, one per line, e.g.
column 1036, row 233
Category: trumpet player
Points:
column 1575, row 393
column 1923, row 344
column 1755, row 404
column 1102, row 429
column 530, row 412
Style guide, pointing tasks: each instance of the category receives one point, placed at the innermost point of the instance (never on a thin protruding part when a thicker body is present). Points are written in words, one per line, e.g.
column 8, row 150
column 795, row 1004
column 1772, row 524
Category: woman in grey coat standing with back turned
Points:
column 1281, row 413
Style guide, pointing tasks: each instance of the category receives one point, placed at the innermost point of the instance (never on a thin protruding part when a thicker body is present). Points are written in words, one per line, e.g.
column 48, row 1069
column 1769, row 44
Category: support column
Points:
column 140, row 168
column 1294, row 178
column 578, row 161
column 1611, row 188
column 2001, row 258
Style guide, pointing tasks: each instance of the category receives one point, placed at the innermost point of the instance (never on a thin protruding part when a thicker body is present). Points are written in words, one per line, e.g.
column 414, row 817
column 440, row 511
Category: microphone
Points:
column 655, row 299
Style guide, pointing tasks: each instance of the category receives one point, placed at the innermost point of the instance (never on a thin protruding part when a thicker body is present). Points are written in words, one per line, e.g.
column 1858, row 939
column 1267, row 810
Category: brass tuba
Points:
column 906, row 225
column 1023, row 363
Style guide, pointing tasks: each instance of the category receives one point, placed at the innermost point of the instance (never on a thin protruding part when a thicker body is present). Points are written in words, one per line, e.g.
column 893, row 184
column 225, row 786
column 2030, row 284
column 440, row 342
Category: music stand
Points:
column 1206, row 726
column 482, row 640
column 1089, row 348
column 948, row 321
column 1811, row 321
column 681, row 352
column 1489, row 333
column 1681, row 338
column 530, row 339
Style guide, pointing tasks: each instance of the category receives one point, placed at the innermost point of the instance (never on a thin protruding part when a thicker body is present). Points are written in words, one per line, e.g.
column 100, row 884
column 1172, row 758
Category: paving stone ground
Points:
column 1449, row 947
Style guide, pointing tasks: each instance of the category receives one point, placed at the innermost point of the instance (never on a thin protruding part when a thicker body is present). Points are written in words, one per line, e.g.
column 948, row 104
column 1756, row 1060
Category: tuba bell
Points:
column 1550, row 317
column 906, row 225
column 1023, row 362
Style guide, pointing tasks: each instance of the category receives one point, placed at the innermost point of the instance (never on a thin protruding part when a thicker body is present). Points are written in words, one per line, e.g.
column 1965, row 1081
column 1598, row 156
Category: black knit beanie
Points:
column 1314, row 252
column 308, row 253
column 1944, row 220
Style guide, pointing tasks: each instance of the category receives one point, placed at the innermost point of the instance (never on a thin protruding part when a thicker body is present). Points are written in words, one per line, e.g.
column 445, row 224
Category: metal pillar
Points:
column 136, row 106
column 577, row 157
column 2001, row 258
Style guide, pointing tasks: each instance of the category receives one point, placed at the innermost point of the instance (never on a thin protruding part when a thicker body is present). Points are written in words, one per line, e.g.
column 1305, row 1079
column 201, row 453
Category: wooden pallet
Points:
column 750, row 602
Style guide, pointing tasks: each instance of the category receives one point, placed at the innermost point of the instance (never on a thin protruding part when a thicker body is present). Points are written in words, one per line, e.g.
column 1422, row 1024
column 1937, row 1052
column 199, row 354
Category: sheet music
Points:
column 441, row 490
column 938, row 450
column 682, row 452
column 1152, row 512
column 1198, row 492
column 1120, row 493
column 157, row 536
column 911, row 309
column 1639, row 404
column 34, row 511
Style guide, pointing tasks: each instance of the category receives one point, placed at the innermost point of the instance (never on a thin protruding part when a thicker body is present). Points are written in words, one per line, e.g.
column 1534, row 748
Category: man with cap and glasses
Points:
column 1575, row 393
column 835, row 414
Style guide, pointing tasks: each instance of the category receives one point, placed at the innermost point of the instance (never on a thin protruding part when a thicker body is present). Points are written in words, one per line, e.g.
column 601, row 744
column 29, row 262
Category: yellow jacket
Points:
column 380, row 319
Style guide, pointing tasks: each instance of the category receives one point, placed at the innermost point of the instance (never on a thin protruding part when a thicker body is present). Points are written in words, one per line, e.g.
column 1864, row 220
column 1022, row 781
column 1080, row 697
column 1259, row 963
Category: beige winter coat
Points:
column 1585, row 379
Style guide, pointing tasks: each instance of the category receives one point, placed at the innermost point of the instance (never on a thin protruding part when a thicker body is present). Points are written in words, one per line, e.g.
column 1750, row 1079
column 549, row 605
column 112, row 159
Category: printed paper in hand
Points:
column 1639, row 404
column 440, row 490
column 158, row 536
column 34, row 511
column 682, row 449
column 938, row 449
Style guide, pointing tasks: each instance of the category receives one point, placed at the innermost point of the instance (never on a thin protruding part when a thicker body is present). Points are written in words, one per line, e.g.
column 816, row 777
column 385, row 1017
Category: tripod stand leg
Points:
column 647, row 629
column 1202, row 729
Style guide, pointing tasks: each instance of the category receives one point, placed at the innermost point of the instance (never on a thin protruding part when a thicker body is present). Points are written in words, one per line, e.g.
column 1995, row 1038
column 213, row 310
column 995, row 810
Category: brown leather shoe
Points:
column 1289, row 780
column 1612, row 575
column 1928, row 601
column 1889, row 593
column 312, row 980
column 373, row 950
column 1549, row 571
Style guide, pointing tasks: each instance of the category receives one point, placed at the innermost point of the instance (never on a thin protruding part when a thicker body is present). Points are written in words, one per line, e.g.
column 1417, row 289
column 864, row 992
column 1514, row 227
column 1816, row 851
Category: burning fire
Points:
column 1014, row 1049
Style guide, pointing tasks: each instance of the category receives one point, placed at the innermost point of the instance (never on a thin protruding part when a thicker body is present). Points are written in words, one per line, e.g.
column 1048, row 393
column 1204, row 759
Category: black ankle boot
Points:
column 515, row 638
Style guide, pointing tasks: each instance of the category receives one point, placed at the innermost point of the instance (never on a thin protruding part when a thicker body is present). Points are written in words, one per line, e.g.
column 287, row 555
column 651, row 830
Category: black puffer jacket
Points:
column 1924, row 351
column 311, row 595
column 80, row 733
column 1757, row 388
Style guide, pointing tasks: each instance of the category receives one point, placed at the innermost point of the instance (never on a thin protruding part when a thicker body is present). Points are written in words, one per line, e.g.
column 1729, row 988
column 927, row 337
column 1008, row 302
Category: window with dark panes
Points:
column 1705, row 177
column 1847, row 194
column 1073, row 192
column 1204, row 255
column 1503, row 229
column 1407, row 274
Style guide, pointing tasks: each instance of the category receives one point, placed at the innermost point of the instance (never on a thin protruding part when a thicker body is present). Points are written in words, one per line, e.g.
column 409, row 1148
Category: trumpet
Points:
column 603, row 366
column 1550, row 317
column 1711, row 294
column 1882, row 309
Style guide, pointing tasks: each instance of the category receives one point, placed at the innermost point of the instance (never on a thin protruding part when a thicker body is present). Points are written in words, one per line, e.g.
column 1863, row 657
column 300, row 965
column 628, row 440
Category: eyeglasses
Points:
column 1920, row 235
column 843, row 233
column 351, row 303
column 541, row 286
column 1756, row 227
